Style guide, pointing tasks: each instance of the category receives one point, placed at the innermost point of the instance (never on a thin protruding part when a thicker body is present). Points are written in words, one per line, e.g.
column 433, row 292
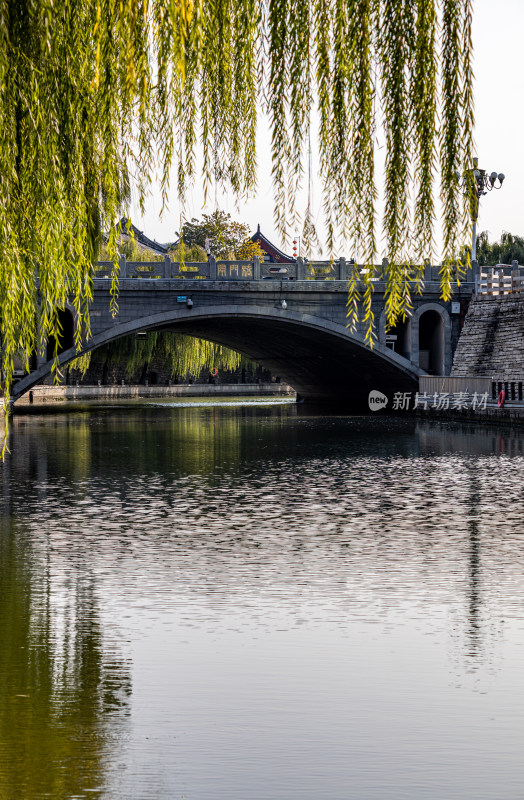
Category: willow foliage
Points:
column 95, row 91
column 185, row 356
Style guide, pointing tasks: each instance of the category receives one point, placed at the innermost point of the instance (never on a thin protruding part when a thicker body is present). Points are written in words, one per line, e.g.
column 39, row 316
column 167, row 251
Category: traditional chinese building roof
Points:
column 130, row 231
column 273, row 254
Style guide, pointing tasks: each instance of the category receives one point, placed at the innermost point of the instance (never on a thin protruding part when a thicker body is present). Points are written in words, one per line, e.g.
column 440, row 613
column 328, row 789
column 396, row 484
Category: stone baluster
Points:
column 256, row 268
column 212, row 268
column 342, row 270
column 122, row 263
column 301, row 271
column 167, row 266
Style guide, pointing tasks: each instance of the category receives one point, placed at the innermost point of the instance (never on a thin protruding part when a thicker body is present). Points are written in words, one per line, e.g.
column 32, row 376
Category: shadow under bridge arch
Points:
column 320, row 359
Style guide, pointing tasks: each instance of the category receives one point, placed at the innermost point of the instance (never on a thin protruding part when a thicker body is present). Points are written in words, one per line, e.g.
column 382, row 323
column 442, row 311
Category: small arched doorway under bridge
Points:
column 66, row 339
column 431, row 343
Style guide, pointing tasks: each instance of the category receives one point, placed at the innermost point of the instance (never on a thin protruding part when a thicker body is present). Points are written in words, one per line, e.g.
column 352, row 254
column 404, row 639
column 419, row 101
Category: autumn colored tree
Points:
column 227, row 238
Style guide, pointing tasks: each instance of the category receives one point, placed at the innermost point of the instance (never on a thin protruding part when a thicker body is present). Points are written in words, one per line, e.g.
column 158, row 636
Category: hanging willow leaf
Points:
column 95, row 95
column 185, row 356
column 424, row 78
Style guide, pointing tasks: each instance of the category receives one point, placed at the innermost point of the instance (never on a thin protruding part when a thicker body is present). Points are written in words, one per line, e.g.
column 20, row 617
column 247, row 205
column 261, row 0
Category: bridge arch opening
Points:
column 67, row 334
column 431, row 343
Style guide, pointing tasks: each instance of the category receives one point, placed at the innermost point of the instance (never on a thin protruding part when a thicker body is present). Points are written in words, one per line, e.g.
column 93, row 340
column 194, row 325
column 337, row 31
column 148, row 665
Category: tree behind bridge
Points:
column 510, row 248
column 227, row 238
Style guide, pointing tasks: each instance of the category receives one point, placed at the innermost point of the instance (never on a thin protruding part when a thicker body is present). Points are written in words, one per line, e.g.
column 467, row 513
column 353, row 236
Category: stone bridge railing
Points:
column 500, row 280
column 254, row 270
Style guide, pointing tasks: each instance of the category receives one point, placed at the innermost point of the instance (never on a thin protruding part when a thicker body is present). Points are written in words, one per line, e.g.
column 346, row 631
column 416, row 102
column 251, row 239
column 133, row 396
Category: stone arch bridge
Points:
column 291, row 319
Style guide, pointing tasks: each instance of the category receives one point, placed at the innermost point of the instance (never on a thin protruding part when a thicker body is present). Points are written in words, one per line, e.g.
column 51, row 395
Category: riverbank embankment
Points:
column 471, row 398
column 53, row 395
column 491, row 415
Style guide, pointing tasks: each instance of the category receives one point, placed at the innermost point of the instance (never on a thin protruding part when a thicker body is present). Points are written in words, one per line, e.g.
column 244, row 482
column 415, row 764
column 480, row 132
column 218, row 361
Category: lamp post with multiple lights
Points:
column 477, row 182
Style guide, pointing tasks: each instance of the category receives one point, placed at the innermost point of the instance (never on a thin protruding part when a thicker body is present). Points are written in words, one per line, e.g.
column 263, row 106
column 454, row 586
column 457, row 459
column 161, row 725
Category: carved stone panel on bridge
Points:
column 234, row 270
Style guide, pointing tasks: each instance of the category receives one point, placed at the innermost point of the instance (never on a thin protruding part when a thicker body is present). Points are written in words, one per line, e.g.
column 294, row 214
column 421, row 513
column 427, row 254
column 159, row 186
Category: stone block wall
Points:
column 492, row 340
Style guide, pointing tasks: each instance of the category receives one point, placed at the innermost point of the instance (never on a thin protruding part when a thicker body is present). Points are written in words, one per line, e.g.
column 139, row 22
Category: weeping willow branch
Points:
column 93, row 91
column 184, row 356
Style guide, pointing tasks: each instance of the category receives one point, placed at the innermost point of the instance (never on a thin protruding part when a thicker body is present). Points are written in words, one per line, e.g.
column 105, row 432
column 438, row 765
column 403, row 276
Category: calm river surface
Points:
column 250, row 603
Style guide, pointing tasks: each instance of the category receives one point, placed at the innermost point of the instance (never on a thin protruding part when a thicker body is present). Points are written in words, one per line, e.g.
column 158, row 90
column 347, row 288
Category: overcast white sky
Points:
column 499, row 135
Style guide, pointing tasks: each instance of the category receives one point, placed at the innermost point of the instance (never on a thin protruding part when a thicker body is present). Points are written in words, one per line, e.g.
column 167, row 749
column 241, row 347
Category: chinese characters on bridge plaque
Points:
column 231, row 270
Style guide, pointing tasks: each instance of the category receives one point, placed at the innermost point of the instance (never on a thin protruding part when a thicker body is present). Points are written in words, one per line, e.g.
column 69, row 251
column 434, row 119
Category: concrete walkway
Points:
column 45, row 395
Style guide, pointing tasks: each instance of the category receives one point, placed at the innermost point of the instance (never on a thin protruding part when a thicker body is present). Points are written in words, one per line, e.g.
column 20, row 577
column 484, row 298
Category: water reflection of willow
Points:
column 63, row 691
column 151, row 438
column 229, row 508
column 385, row 510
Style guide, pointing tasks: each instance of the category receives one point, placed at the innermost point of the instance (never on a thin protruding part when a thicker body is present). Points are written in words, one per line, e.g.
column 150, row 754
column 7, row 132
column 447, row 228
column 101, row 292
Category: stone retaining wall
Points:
column 492, row 340
column 509, row 415
column 40, row 395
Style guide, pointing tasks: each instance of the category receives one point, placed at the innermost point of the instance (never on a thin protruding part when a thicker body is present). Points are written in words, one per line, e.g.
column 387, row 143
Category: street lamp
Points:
column 476, row 182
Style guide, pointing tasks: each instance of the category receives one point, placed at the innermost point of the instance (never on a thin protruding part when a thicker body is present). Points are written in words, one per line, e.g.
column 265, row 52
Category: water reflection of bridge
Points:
column 292, row 321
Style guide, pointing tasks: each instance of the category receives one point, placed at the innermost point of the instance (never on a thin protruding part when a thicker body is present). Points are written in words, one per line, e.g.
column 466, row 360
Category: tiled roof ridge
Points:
column 260, row 235
column 127, row 226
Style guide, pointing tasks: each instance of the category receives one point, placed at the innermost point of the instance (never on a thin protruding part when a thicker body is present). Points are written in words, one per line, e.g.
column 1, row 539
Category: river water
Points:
column 255, row 603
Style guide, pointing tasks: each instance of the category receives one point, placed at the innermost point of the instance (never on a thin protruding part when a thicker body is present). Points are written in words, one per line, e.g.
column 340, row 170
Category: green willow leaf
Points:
column 185, row 356
column 98, row 96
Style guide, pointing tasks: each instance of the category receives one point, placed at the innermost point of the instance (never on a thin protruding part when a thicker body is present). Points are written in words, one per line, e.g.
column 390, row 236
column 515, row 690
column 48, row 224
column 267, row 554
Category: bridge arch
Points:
column 431, row 338
column 424, row 338
column 321, row 359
